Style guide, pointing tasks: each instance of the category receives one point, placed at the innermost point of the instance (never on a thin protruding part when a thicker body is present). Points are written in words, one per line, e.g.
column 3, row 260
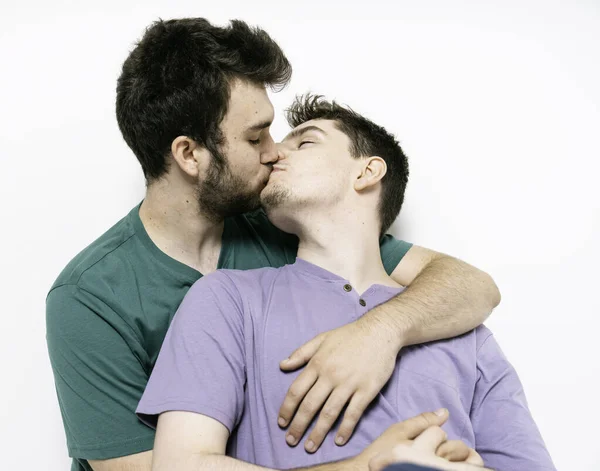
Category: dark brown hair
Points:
column 366, row 139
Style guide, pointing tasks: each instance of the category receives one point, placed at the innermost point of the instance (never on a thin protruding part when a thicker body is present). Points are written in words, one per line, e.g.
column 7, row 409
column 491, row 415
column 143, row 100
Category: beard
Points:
column 274, row 197
column 223, row 194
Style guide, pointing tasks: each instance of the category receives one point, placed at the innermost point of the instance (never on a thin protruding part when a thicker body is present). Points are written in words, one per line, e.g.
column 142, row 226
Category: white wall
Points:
column 496, row 103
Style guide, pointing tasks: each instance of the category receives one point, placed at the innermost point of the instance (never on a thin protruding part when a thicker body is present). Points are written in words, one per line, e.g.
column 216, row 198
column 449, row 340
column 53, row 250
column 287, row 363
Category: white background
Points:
column 496, row 103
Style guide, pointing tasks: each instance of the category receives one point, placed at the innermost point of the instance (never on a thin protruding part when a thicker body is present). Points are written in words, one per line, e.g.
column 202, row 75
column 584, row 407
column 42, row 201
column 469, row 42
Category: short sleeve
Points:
column 98, row 378
column 201, row 365
column 506, row 435
column 392, row 251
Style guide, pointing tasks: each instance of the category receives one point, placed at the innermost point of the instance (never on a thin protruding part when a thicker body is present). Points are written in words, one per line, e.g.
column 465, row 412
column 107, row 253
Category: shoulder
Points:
column 237, row 282
column 106, row 254
column 233, row 293
column 483, row 336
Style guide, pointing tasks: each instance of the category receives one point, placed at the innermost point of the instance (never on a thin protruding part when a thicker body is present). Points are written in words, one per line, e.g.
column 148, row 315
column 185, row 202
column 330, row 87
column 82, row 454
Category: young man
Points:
column 217, row 377
column 192, row 105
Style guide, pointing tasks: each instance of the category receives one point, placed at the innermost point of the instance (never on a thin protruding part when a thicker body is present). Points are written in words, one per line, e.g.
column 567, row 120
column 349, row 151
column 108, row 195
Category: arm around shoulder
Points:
column 445, row 296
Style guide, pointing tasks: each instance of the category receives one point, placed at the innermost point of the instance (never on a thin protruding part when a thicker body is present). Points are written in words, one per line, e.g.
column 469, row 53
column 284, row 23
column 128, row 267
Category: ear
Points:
column 188, row 155
column 373, row 171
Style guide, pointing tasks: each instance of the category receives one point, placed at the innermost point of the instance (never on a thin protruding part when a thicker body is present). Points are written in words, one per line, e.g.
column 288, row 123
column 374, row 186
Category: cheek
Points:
column 244, row 161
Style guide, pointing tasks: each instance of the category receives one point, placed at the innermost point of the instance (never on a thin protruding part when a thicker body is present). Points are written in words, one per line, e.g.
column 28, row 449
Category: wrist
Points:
column 356, row 463
column 394, row 334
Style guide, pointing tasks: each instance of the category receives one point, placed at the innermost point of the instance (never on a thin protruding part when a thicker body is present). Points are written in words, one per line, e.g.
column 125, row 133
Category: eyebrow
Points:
column 260, row 126
column 299, row 132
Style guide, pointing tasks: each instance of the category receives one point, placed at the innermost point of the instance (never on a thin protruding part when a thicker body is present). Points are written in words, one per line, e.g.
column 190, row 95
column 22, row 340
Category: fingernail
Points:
column 440, row 412
column 310, row 446
column 281, row 422
column 339, row 440
column 290, row 439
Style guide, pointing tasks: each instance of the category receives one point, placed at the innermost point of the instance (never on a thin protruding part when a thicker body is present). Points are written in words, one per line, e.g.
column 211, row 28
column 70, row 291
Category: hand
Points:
column 429, row 448
column 400, row 433
column 406, row 453
column 348, row 364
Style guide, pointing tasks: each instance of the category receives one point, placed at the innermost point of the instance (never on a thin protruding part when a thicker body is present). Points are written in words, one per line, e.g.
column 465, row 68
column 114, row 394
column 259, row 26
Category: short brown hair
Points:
column 366, row 139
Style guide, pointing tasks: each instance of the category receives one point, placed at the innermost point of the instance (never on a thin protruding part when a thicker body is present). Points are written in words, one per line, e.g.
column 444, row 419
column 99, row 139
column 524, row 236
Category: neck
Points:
column 174, row 222
column 346, row 245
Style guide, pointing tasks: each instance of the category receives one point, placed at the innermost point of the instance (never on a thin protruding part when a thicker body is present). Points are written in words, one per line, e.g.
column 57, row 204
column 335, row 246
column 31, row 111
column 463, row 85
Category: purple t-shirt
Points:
column 221, row 358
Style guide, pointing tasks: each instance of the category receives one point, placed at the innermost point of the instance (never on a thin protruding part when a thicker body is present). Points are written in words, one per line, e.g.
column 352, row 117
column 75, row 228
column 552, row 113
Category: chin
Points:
column 274, row 195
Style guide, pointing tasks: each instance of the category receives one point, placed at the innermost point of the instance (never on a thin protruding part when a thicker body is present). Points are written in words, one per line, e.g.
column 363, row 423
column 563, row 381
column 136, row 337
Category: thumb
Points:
column 302, row 355
column 415, row 426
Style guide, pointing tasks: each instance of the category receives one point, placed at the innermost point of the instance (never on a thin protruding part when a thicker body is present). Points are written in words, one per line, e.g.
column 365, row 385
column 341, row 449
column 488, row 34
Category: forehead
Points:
column 329, row 128
column 248, row 105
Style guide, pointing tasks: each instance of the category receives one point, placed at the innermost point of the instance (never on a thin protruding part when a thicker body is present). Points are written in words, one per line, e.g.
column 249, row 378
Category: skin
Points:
column 314, row 189
column 202, row 446
column 177, row 222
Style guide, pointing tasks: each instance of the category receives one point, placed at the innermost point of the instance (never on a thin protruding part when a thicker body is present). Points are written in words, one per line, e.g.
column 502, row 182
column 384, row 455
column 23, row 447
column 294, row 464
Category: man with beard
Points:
column 193, row 107
column 217, row 379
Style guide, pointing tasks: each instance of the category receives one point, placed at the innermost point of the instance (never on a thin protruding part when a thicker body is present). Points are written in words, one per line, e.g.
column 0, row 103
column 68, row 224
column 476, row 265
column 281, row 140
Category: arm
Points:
column 445, row 297
column 99, row 380
column 192, row 411
column 186, row 441
column 506, row 435
column 136, row 462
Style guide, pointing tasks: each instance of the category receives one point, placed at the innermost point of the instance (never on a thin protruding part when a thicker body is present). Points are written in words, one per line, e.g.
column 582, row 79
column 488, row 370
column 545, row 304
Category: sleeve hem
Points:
column 148, row 412
column 113, row 450
column 393, row 259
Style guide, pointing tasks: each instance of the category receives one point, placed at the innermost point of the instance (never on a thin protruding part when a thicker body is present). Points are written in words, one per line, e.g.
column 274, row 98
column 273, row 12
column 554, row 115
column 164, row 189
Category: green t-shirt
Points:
column 108, row 313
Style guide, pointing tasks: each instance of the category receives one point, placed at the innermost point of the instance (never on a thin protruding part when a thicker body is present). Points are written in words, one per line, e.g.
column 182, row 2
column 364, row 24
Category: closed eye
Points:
column 305, row 142
column 254, row 142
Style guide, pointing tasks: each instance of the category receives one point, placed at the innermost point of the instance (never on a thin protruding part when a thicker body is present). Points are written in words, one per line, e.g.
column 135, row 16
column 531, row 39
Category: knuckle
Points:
column 295, row 392
column 297, row 355
column 427, row 418
column 396, row 429
column 475, row 458
column 421, row 422
column 329, row 414
column 297, row 427
column 352, row 415
column 333, row 374
column 285, row 413
column 308, row 407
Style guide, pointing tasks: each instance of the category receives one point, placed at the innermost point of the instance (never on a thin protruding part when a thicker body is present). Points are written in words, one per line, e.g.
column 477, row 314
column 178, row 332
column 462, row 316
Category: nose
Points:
column 270, row 154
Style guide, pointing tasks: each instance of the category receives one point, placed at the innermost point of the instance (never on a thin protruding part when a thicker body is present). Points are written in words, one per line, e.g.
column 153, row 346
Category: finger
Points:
column 329, row 414
column 295, row 395
column 430, row 439
column 309, row 407
column 411, row 428
column 353, row 413
column 301, row 356
column 474, row 458
column 453, row 450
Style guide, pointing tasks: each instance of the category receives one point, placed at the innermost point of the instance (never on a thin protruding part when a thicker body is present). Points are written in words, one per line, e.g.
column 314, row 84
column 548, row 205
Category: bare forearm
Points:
column 206, row 463
column 225, row 463
column 138, row 462
column 448, row 298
